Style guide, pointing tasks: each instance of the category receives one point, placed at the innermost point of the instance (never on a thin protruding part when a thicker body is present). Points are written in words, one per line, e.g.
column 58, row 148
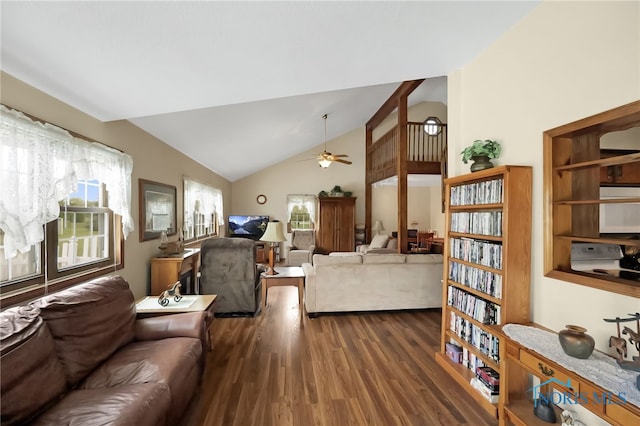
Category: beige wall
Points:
column 563, row 62
column 301, row 174
column 423, row 207
column 152, row 160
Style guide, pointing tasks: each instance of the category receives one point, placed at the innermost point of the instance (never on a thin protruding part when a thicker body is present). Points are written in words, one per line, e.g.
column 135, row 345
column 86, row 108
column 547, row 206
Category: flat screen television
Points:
column 247, row 226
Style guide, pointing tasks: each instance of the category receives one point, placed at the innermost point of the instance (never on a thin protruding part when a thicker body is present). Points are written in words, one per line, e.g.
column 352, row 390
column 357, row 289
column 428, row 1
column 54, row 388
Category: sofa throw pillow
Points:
column 379, row 241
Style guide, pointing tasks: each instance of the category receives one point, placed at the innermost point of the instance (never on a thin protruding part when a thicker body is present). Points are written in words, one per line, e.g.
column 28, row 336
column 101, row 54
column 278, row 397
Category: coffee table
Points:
column 287, row 275
column 149, row 307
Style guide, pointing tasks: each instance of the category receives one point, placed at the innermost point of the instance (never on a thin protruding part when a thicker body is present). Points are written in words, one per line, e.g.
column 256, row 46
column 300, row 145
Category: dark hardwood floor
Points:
column 349, row 369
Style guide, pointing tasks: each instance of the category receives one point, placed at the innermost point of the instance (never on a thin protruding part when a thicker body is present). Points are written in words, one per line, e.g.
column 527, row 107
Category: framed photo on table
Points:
column 157, row 209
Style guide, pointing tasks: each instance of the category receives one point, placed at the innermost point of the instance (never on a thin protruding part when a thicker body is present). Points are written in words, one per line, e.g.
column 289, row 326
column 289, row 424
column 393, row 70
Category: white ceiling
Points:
column 214, row 79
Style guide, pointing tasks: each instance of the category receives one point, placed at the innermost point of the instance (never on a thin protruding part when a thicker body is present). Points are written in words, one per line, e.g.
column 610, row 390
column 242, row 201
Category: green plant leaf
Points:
column 488, row 147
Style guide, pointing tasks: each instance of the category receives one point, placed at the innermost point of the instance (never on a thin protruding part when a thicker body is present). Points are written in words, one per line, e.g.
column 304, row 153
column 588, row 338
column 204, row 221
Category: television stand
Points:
column 262, row 252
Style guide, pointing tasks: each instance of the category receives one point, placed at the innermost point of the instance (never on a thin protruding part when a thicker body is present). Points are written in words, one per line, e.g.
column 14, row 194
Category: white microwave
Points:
column 619, row 218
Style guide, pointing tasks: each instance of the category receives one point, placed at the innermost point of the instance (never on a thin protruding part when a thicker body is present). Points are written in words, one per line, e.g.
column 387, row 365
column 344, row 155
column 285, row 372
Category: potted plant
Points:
column 337, row 191
column 481, row 152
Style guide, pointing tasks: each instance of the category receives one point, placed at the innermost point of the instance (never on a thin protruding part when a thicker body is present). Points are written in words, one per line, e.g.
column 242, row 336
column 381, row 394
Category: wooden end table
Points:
column 202, row 303
column 287, row 275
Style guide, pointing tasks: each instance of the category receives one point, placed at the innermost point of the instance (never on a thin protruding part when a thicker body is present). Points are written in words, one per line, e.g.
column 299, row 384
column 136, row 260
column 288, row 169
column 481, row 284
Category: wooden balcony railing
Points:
column 425, row 153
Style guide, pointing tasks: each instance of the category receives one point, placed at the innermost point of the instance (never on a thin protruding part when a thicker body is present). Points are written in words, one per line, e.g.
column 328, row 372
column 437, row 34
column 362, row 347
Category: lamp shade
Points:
column 163, row 239
column 273, row 233
column 377, row 227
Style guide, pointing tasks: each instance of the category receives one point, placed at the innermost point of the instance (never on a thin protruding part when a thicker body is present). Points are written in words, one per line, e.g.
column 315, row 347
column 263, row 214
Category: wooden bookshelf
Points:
column 487, row 257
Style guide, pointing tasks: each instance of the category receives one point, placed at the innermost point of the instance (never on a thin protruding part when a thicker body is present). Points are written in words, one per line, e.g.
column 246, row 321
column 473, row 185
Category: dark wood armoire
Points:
column 336, row 224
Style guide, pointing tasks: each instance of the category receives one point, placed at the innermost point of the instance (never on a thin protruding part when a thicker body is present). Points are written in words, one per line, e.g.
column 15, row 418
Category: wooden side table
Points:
column 287, row 275
column 149, row 307
column 166, row 270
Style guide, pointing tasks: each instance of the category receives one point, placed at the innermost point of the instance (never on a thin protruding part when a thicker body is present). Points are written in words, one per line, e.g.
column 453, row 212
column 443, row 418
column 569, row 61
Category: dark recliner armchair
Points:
column 228, row 269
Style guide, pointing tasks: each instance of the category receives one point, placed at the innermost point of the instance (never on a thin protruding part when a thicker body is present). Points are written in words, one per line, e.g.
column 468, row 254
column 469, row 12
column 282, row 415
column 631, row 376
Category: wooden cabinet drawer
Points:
column 590, row 393
column 621, row 415
column 545, row 372
column 512, row 350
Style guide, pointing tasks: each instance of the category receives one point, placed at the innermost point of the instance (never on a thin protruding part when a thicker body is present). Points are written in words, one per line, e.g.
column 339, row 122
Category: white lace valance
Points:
column 40, row 164
column 203, row 199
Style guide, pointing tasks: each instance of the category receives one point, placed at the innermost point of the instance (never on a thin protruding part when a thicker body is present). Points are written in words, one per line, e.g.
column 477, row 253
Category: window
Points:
column 56, row 226
column 432, row 126
column 80, row 240
column 203, row 210
column 23, row 267
column 83, row 230
column 301, row 209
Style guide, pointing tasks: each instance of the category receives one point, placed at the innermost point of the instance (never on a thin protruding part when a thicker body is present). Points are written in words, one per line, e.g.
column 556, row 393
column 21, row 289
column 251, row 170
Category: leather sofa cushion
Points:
column 89, row 322
column 30, row 372
column 148, row 361
column 173, row 361
column 142, row 404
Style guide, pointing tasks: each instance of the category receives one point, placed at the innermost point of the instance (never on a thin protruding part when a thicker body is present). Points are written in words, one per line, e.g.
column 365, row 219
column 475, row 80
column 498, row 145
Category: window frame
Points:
column 53, row 270
column 572, row 166
column 22, row 290
column 312, row 214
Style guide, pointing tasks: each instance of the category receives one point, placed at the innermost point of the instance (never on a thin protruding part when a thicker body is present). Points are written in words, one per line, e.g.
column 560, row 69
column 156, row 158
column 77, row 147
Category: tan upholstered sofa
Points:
column 380, row 244
column 81, row 357
column 372, row 282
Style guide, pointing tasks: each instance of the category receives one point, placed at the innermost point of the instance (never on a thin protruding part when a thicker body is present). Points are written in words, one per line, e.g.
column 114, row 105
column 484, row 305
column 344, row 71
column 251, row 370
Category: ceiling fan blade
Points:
column 340, row 155
column 337, row 160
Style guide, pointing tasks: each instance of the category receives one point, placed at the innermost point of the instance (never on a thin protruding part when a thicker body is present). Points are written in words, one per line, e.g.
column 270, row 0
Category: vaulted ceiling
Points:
column 214, row 79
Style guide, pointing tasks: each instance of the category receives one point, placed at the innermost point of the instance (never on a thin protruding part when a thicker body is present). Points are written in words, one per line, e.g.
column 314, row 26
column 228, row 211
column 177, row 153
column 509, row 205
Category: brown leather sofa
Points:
column 80, row 356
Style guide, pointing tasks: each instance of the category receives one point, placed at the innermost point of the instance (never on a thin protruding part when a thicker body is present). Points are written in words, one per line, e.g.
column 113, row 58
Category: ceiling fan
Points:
column 325, row 158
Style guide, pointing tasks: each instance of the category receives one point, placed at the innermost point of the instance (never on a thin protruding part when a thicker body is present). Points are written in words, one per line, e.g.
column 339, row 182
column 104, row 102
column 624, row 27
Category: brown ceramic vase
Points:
column 576, row 342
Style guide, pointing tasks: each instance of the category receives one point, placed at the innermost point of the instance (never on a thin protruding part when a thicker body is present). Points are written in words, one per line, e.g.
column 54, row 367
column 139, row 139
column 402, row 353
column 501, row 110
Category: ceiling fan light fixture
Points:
column 324, row 163
column 326, row 158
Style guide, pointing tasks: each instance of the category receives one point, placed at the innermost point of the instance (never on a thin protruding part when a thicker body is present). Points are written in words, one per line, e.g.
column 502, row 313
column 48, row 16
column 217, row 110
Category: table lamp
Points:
column 273, row 234
column 378, row 227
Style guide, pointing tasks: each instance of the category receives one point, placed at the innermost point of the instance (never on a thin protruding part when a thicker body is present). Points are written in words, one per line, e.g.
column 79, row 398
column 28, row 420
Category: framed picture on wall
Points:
column 157, row 209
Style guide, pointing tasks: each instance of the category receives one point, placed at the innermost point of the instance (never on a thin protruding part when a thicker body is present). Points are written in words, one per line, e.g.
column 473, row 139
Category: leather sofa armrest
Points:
column 190, row 324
